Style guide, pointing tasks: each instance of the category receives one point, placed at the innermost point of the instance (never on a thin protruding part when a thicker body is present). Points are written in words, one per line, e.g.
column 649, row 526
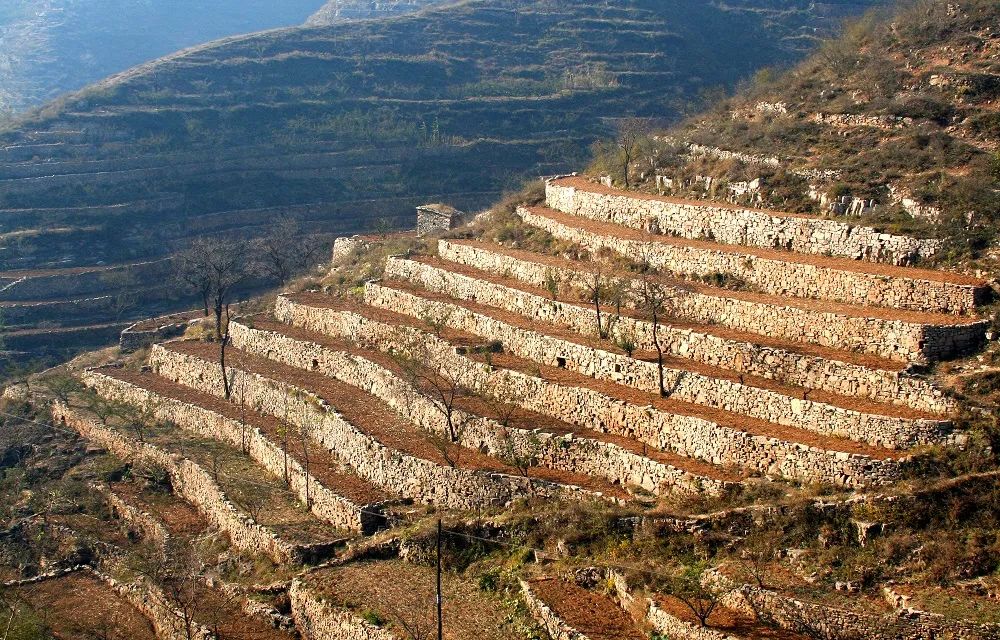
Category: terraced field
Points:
column 346, row 127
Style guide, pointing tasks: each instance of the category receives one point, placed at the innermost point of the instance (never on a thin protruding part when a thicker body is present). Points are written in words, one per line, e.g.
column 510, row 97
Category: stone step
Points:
column 901, row 336
column 341, row 499
column 283, row 533
column 731, row 224
column 694, row 431
column 487, row 423
column 357, row 428
column 771, row 271
column 838, row 372
column 878, row 424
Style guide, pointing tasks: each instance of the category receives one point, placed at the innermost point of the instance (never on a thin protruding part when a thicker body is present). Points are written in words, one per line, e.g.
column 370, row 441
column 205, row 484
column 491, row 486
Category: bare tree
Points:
column 598, row 290
column 286, row 250
column 246, row 429
column 63, row 386
column 435, row 317
column 125, row 287
column 631, row 132
column 307, row 429
column 653, row 299
column 444, row 380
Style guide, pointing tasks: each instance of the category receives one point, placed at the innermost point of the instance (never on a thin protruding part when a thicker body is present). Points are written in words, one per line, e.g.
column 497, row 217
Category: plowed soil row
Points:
column 369, row 415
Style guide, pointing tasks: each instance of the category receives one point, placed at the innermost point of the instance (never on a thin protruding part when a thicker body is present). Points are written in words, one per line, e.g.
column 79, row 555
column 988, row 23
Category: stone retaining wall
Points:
column 326, row 504
column 664, row 623
column 148, row 599
column 192, row 483
column 319, row 620
column 740, row 226
column 142, row 522
column 394, row 471
column 574, row 454
column 778, row 277
column 686, row 435
column 790, row 367
column 893, row 339
column 685, row 385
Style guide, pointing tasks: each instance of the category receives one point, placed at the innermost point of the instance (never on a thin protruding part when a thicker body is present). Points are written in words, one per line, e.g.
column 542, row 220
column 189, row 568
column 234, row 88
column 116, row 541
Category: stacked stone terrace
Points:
column 785, row 377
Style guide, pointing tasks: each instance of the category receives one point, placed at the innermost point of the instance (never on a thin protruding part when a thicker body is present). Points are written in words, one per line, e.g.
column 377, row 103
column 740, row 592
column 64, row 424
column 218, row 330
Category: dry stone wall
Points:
column 143, row 523
column 689, row 436
column 149, row 600
column 575, row 454
column 664, row 623
column 790, row 367
column 317, row 619
column 778, row 277
column 394, row 471
column 192, row 483
column 556, row 627
column 739, row 226
column 683, row 385
column 893, row 339
column 325, row 504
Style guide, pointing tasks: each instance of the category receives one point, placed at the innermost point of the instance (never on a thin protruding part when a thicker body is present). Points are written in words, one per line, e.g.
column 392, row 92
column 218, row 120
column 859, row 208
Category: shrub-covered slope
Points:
column 902, row 110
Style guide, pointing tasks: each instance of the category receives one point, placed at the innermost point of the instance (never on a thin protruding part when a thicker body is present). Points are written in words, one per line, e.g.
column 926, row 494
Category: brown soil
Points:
column 726, row 621
column 224, row 615
column 404, row 594
column 807, row 304
column 594, row 615
column 721, row 417
column 838, row 264
column 853, row 403
column 79, row 604
column 179, row 517
column 814, row 350
column 521, row 418
column 369, row 414
column 322, row 465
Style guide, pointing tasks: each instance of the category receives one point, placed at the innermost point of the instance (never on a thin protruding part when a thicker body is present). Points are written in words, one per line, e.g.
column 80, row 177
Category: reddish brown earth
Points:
column 594, row 615
column 79, row 604
column 179, row 517
column 727, row 621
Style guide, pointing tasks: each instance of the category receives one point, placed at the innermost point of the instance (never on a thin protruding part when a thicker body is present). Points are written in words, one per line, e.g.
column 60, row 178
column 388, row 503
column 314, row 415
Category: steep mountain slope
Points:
column 345, row 125
column 896, row 122
column 48, row 47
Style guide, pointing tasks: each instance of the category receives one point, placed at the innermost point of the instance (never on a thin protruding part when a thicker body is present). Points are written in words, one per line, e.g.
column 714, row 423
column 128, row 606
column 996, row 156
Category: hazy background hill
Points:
column 48, row 47
column 346, row 126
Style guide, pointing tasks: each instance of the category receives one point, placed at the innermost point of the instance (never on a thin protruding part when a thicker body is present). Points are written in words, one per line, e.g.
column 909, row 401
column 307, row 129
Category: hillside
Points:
column 335, row 11
column 343, row 126
column 49, row 47
column 896, row 124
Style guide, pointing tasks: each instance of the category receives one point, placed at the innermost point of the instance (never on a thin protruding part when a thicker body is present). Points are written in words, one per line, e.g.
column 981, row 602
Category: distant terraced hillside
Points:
column 339, row 10
column 895, row 123
column 344, row 125
column 49, row 47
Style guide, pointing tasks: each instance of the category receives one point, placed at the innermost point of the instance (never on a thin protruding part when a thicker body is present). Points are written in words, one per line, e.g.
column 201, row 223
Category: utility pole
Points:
column 439, row 616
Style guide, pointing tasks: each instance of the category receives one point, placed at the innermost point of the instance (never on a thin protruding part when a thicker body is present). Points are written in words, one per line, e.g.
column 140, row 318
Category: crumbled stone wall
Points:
column 192, row 483
column 574, row 454
column 683, row 385
column 137, row 520
column 686, row 435
column 394, row 471
column 893, row 339
column 740, row 226
column 798, row 279
column 316, row 619
column 137, row 337
column 799, row 369
column 326, row 504
column 344, row 246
